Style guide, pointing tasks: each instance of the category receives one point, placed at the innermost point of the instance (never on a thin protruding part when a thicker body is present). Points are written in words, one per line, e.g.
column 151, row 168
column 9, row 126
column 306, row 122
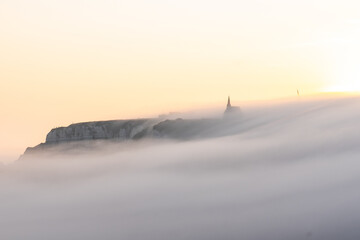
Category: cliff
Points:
column 117, row 129
column 85, row 135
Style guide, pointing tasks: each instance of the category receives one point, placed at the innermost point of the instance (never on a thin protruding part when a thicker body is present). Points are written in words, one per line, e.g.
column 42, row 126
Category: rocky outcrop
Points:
column 118, row 129
column 86, row 135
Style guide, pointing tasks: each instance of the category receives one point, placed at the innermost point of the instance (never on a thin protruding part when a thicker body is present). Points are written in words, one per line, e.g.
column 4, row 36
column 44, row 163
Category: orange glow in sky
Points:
column 67, row 61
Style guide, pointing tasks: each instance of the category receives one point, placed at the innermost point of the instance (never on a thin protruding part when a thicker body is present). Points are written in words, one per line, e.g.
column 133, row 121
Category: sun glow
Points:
column 345, row 74
column 352, row 87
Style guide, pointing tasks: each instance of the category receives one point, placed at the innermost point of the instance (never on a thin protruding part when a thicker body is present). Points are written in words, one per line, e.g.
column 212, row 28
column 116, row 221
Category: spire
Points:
column 228, row 104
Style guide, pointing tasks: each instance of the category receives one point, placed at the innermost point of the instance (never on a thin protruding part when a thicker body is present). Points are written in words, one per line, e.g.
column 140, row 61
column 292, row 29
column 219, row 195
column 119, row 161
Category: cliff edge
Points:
column 86, row 134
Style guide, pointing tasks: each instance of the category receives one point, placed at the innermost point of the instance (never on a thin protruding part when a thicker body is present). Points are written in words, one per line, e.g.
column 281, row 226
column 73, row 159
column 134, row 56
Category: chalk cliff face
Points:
column 135, row 129
column 118, row 129
column 84, row 135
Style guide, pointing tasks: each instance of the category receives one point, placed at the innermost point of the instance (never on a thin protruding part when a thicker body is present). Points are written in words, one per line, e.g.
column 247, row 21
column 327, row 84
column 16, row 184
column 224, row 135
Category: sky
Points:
column 70, row 61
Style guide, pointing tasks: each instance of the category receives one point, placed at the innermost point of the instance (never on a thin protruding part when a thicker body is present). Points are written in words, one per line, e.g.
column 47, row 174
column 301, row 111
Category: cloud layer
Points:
column 291, row 171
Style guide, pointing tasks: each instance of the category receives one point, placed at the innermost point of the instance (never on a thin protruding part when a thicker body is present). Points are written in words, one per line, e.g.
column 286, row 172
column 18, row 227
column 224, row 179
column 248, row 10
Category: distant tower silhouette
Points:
column 230, row 111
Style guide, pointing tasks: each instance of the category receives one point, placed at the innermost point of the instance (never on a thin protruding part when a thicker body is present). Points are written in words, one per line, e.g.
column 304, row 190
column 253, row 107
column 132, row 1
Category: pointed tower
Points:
column 228, row 104
column 231, row 112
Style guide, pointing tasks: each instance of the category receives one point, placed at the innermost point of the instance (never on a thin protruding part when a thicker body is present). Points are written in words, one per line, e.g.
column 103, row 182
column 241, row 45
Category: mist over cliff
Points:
column 285, row 171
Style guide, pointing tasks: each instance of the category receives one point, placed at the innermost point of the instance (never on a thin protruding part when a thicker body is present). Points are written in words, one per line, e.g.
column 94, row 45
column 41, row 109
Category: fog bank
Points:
column 289, row 171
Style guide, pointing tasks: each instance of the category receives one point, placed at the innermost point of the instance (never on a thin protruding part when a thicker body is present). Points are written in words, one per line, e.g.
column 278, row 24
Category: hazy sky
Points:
column 69, row 61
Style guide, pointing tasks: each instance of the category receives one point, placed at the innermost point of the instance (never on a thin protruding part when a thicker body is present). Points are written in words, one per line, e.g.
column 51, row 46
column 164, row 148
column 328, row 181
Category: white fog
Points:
column 286, row 171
